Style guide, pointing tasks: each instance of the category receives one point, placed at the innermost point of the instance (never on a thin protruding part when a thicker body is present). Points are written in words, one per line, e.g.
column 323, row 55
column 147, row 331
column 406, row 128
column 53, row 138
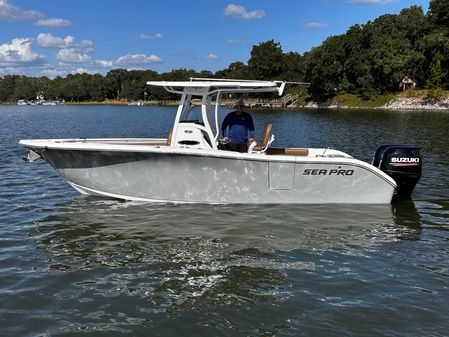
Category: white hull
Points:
column 134, row 169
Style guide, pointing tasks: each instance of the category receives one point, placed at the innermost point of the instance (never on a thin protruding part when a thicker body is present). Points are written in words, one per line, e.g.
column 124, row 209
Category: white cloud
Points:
column 134, row 68
column 371, row 2
column 137, row 59
column 104, row 63
column 82, row 71
column 239, row 12
column 10, row 12
column 53, row 22
column 156, row 36
column 19, row 54
column 128, row 61
column 316, row 25
column 70, row 58
column 47, row 40
column 212, row 57
column 72, row 55
column 85, row 45
column 11, row 71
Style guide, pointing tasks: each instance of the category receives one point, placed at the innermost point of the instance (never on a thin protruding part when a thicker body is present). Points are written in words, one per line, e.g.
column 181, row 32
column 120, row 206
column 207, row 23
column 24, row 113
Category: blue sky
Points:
column 57, row 37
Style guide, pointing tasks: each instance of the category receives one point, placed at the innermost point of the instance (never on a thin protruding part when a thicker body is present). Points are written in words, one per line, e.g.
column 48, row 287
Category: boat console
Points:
column 193, row 135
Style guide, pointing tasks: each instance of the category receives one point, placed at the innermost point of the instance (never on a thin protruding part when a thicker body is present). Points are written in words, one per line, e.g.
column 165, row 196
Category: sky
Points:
column 59, row 37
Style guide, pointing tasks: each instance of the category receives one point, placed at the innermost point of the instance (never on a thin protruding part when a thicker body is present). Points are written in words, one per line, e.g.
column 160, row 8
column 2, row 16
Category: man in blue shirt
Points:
column 238, row 128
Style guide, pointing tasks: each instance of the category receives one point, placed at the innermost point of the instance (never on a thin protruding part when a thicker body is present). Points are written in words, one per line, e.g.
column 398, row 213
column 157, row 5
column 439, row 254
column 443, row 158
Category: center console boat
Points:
column 189, row 167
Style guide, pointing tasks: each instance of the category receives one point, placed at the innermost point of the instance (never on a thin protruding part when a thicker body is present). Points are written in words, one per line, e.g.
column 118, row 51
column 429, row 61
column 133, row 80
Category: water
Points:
column 74, row 265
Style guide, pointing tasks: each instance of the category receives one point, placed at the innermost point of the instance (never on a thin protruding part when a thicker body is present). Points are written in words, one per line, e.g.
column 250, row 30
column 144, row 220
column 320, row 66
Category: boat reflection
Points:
column 175, row 254
column 408, row 220
column 269, row 227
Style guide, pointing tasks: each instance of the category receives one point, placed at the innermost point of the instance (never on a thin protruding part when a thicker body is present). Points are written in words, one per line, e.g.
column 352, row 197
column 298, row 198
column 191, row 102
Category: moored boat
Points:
column 23, row 102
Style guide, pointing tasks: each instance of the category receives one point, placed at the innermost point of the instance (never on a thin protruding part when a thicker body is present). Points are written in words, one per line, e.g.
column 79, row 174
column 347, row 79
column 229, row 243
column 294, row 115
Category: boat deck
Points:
column 165, row 142
column 140, row 144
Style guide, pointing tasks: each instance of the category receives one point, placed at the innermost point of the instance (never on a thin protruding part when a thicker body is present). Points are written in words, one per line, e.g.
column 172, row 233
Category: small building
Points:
column 407, row 83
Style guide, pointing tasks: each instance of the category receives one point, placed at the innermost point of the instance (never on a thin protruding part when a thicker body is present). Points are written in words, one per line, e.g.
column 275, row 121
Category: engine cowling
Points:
column 401, row 162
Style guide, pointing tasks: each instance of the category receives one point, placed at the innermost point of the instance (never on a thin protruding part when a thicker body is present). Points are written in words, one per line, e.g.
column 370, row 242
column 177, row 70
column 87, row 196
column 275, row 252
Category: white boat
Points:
column 23, row 102
column 136, row 103
column 189, row 167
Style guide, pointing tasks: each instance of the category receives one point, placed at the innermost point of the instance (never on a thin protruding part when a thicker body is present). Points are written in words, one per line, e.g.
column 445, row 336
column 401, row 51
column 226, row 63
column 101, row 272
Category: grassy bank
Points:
column 436, row 94
column 354, row 101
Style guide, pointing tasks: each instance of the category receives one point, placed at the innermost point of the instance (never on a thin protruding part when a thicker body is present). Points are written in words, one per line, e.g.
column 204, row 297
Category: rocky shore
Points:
column 417, row 103
column 398, row 103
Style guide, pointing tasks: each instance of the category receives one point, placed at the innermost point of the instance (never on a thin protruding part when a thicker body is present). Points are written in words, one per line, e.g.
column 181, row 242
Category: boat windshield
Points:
column 192, row 112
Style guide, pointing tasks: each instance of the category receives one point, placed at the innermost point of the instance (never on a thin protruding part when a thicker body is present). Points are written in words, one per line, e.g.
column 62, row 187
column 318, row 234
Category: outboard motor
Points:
column 402, row 163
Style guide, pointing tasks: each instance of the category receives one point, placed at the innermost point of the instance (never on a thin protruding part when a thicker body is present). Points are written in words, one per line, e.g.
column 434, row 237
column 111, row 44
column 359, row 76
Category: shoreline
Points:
column 109, row 102
column 398, row 103
column 126, row 103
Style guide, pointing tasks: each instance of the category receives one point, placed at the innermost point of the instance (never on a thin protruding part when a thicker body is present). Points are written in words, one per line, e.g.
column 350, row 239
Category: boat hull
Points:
column 201, row 178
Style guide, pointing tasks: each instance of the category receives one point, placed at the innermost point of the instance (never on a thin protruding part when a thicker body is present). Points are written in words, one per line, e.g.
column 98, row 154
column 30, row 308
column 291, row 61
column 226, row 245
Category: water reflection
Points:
column 173, row 254
column 220, row 266
column 435, row 213
column 84, row 225
column 407, row 219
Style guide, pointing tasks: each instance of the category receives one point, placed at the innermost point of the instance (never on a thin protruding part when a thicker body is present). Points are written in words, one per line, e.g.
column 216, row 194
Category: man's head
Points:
column 239, row 105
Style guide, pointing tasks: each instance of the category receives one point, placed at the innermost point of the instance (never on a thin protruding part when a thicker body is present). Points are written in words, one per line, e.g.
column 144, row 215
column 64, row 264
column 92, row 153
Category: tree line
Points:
column 368, row 60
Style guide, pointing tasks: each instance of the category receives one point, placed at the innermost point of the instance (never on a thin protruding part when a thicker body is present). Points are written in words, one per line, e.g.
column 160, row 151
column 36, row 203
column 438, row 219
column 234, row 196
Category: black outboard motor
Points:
column 401, row 162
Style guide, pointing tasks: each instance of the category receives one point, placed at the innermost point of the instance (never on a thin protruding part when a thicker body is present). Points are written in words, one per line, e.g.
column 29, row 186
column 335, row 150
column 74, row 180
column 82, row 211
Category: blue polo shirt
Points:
column 238, row 127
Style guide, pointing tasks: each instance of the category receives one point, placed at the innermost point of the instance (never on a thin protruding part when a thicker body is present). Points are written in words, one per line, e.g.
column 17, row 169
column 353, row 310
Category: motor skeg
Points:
column 401, row 162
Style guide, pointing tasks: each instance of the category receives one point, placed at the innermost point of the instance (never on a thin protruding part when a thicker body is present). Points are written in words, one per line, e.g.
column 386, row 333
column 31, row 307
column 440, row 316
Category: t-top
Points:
column 238, row 127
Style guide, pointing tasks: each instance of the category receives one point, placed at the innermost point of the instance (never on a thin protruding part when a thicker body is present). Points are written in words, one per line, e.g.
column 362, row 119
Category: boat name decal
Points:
column 323, row 172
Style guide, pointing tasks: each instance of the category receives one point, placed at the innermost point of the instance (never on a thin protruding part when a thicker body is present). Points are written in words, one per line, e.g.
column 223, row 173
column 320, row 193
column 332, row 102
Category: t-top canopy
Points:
column 223, row 85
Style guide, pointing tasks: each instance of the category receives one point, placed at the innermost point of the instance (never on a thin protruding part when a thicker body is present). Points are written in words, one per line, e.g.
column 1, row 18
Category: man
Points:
column 238, row 128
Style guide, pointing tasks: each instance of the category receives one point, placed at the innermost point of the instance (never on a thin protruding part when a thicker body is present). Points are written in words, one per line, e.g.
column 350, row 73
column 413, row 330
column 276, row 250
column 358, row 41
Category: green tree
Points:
column 370, row 59
column 236, row 70
column 7, row 87
column 293, row 67
column 436, row 72
column 433, row 43
column 55, row 89
column 266, row 61
column 324, row 67
column 439, row 12
column 24, row 88
column 158, row 93
column 114, row 80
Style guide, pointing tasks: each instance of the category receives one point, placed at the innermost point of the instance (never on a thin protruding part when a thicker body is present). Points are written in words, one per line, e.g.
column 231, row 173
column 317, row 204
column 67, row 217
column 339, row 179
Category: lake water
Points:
column 76, row 265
